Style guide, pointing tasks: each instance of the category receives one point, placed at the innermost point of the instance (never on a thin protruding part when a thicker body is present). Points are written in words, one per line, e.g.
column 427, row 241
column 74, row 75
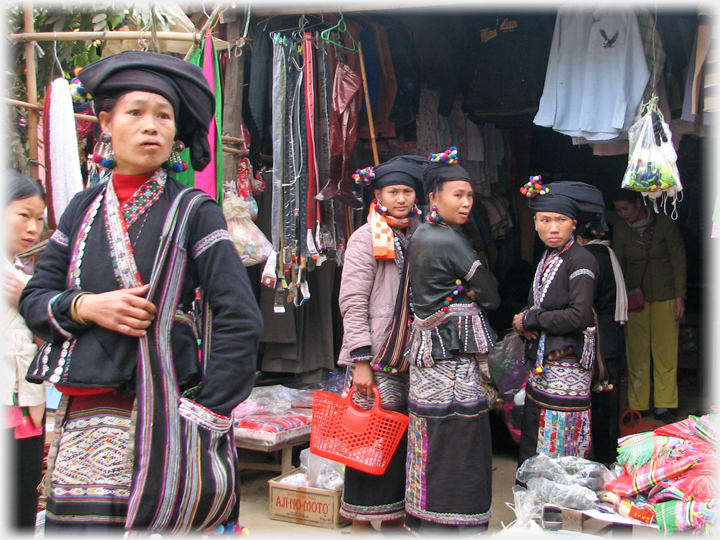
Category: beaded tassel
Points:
column 434, row 217
column 449, row 298
column 103, row 155
column 174, row 163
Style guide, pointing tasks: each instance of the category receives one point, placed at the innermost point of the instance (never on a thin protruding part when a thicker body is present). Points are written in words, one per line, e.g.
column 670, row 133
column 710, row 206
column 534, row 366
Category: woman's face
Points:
column 630, row 211
column 454, row 200
column 398, row 199
column 554, row 229
column 24, row 221
column 142, row 125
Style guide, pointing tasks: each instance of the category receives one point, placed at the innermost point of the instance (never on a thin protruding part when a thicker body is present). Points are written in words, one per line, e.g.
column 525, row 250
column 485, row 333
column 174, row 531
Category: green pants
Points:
column 652, row 330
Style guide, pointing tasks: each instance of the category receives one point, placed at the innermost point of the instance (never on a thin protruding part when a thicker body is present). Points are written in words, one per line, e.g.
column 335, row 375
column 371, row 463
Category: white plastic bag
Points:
column 652, row 168
column 322, row 472
column 251, row 244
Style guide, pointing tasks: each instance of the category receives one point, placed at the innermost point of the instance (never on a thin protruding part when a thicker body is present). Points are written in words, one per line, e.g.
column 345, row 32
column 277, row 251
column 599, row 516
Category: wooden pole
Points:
column 118, row 35
column 31, row 85
column 367, row 106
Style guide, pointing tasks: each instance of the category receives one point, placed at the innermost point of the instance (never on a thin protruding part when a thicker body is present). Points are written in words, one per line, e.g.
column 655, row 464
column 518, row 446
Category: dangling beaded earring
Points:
column 379, row 208
column 174, row 163
column 103, row 155
column 415, row 211
column 434, row 217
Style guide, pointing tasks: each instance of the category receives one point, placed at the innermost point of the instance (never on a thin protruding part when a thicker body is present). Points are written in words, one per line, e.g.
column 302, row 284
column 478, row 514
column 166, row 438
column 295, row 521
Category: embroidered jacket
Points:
column 566, row 299
column 84, row 255
column 438, row 256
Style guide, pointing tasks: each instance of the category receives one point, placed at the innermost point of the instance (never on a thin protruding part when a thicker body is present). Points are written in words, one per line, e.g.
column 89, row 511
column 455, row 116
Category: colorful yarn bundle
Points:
column 534, row 187
column 648, row 176
column 77, row 90
column 449, row 298
column 386, row 369
column 449, row 156
column 364, row 176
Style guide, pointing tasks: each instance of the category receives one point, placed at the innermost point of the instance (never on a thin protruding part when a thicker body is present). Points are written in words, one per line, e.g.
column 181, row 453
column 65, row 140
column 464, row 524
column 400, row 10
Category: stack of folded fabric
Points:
column 674, row 469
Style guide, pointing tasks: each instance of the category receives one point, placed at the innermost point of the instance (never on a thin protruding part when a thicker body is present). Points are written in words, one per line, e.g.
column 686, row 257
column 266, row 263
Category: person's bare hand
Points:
column 363, row 380
column 471, row 294
column 36, row 413
column 679, row 308
column 12, row 287
column 518, row 327
column 125, row 310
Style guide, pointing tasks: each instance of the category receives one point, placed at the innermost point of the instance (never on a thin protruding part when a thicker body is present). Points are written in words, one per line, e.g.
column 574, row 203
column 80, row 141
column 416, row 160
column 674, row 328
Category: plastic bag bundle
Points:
column 251, row 244
column 322, row 472
column 571, row 496
column 565, row 470
column 528, row 511
column 652, row 168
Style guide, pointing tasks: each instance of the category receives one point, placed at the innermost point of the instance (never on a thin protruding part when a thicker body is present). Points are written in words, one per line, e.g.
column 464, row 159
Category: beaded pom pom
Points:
column 534, row 187
column 449, row 156
column 364, row 176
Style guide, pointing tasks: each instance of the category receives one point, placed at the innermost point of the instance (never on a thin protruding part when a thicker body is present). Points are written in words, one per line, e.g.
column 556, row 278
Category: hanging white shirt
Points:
column 596, row 73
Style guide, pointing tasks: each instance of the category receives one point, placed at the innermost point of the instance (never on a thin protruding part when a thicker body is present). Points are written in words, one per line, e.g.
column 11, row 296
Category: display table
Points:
column 285, row 449
column 574, row 520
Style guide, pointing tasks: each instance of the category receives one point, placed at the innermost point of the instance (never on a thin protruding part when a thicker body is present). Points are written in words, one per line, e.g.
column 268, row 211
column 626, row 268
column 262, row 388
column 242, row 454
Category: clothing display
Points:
column 596, row 74
column 511, row 95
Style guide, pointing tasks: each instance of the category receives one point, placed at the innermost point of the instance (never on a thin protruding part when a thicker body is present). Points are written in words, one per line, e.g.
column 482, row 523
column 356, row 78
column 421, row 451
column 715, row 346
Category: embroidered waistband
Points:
column 456, row 310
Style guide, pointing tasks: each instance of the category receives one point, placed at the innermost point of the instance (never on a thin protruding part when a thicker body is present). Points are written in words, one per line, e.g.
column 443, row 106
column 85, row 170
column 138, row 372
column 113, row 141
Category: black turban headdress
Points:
column 401, row 170
column 183, row 84
column 576, row 200
column 437, row 173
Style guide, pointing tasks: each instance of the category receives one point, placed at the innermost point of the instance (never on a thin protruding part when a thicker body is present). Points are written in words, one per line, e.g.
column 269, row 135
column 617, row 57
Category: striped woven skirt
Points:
column 449, row 465
column 90, row 462
column 379, row 497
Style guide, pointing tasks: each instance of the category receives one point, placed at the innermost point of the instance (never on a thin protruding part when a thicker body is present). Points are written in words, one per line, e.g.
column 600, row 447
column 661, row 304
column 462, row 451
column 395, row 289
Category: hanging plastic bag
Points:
column 652, row 168
column 251, row 244
column 509, row 374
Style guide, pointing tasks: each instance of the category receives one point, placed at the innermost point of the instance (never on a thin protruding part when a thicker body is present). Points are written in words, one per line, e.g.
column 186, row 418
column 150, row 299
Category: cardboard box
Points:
column 305, row 505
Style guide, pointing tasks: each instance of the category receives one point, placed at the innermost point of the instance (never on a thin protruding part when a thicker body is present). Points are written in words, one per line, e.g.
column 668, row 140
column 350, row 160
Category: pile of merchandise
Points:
column 669, row 476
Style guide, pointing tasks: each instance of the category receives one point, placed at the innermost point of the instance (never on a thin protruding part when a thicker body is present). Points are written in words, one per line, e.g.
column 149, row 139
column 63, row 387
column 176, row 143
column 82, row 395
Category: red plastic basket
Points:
column 363, row 440
column 631, row 422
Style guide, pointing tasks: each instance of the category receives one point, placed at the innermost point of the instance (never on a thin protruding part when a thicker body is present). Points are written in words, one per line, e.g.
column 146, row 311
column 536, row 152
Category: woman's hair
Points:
column 626, row 195
column 587, row 231
column 107, row 102
column 22, row 187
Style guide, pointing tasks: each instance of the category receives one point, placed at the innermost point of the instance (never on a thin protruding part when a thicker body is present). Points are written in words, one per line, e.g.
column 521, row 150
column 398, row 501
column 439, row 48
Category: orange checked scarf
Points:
column 383, row 238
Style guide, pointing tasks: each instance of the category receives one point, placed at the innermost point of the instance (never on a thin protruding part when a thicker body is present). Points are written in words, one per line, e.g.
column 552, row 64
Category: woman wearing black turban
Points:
column 559, row 325
column 449, row 466
column 119, row 321
column 371, row 282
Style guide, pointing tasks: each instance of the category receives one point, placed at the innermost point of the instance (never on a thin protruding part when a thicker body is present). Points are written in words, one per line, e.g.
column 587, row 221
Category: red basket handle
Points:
column 356, row 420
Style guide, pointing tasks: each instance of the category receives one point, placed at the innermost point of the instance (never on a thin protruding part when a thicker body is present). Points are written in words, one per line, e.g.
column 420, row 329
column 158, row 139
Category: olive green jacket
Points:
column 665, row 277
